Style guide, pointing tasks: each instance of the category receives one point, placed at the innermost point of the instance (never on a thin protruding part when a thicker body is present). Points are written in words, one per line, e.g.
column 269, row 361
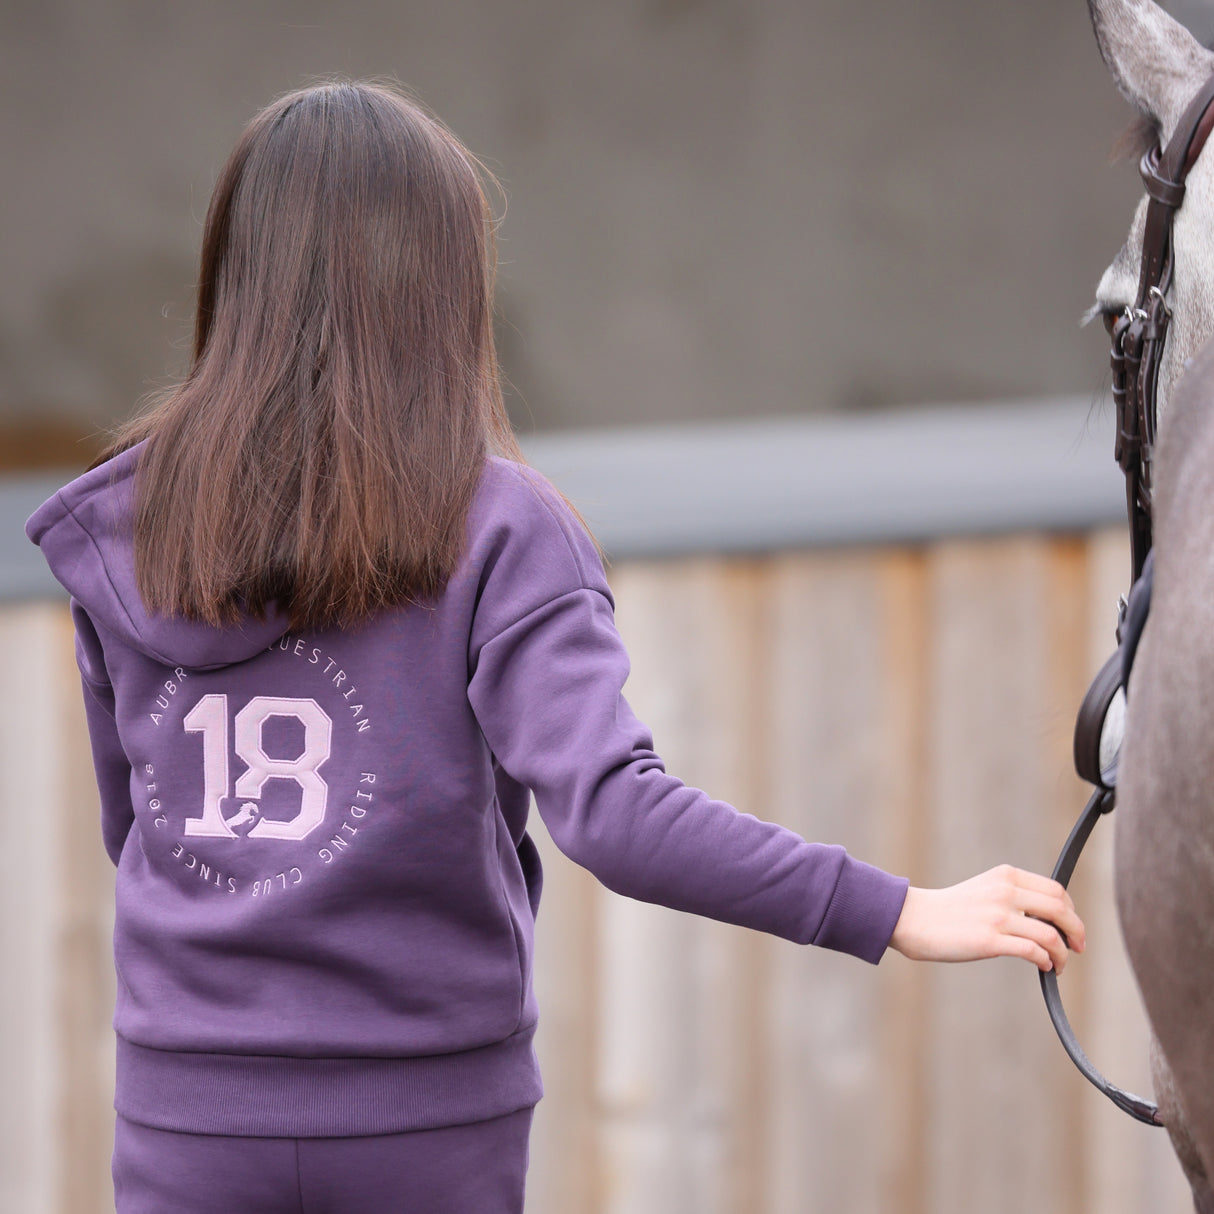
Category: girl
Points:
column 333, row 635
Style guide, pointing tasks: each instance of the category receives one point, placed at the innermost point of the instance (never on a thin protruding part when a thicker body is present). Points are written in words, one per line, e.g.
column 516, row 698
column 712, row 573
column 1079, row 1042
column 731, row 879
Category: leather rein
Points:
column 1138, row 337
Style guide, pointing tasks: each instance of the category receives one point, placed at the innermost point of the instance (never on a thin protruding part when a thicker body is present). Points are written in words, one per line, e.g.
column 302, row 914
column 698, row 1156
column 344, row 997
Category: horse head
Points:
column 1159, row 67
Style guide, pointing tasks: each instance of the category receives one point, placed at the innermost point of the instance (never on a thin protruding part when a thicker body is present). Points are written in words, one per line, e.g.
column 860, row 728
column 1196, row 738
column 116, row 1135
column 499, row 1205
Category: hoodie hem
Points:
column 268, row 1096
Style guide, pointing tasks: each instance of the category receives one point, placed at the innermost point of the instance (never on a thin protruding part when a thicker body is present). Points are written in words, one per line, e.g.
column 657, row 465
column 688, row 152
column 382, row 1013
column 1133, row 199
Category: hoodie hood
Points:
column 85, row 533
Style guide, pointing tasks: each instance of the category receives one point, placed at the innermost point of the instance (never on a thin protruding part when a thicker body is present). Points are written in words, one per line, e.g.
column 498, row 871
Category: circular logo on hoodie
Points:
column 242, row 770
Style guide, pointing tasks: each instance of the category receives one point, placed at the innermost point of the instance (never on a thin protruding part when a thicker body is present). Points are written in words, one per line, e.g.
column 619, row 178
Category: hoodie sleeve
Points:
column 109, row 760
column 547, row 688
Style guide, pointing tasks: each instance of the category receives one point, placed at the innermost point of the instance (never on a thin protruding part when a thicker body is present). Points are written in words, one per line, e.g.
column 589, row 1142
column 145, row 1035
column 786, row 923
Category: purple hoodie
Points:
column 325, row 889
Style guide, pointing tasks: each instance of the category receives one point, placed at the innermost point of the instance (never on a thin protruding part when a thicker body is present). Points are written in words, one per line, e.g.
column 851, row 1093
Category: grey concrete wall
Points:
column 717, row 208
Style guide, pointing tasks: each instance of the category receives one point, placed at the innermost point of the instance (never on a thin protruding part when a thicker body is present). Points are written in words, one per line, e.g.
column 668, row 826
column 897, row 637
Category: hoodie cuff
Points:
column 863, row 911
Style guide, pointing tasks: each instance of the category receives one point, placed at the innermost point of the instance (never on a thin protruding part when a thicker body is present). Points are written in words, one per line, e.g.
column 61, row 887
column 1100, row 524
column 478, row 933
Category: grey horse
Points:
column 1165, row 817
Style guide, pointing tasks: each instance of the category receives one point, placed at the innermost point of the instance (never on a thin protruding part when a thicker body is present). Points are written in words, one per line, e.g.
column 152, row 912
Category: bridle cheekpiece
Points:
column 1140, row 331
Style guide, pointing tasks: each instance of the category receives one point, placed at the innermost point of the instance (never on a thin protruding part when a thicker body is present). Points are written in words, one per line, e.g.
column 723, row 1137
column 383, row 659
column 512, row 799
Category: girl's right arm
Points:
column 547, row 672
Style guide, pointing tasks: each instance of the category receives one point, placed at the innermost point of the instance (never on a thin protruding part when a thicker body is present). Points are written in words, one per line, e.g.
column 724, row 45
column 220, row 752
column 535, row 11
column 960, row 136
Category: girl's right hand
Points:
column 1005, row 912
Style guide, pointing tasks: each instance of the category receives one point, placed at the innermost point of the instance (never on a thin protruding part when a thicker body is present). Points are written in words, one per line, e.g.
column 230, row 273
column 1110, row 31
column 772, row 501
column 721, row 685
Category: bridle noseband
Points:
column 1138, row 340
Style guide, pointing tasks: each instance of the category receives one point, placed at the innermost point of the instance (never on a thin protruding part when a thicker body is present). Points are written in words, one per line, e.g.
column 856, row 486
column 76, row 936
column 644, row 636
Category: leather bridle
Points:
column 1138, row 339
column 1140, row 331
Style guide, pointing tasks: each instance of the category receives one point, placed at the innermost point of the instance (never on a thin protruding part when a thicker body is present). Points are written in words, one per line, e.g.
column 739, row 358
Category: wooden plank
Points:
column 564, row 1176
column 1066, row 679
column 996, row 1100
column 32, row 796
column 84, row 965
column 680, row 1117
column 56, row 900
column 839, row 730
column 902, row 848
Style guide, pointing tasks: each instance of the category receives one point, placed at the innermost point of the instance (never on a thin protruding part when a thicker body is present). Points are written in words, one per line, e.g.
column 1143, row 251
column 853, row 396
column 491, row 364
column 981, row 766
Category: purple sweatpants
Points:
column 465, row 1169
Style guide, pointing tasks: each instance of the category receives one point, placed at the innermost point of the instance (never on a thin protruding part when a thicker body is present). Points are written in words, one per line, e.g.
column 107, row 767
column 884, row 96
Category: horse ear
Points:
column 1157, row 64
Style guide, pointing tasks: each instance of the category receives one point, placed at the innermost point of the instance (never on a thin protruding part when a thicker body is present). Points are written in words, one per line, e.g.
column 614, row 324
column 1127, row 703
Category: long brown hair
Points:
column 323, row 451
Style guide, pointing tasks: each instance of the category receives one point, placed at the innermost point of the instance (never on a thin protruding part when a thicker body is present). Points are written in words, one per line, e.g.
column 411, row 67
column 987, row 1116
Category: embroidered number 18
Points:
column 209, row 717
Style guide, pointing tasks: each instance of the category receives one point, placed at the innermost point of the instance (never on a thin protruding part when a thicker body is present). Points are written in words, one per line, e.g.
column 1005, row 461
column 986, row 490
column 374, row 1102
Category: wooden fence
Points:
column 913, row 702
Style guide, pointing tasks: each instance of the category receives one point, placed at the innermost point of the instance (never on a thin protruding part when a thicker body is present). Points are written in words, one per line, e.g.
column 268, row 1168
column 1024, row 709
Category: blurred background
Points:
column 716, row 209
column 734, row 236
